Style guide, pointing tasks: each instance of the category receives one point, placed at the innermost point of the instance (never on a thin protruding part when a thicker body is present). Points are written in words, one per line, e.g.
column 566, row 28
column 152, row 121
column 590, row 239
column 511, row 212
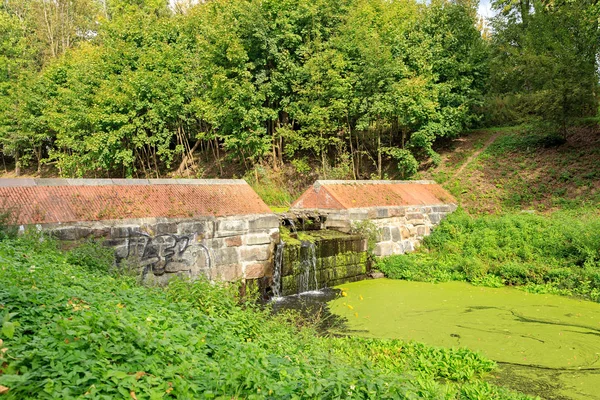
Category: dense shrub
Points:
column 70, row 330
column 560, row 252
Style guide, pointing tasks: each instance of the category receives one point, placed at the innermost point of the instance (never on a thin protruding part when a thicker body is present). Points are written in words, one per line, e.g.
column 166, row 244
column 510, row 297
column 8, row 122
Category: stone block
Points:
column 177, row 267
column 408, row 246
column 123, row 231
column 215, row 244
column 382, row 212
column 230, row 227
column 395, row 232
column 67, row 233
column 255, row 270
column 415, row 218
column 395, row 212
column 385, row 234
column 358, row 215
column 165, row 228
column 258, row 238
column 422, row 230
column 203, row 229
column 446, row 208
column 383, row 249
column 255, row 253
column 275, row 235
column 233, row 241
column 98, row 233
column 226, row 256
column 404, row 232
column 435, row 218
column 228, row 273
column 264, row 222
column 121, row 252
column 338, row 225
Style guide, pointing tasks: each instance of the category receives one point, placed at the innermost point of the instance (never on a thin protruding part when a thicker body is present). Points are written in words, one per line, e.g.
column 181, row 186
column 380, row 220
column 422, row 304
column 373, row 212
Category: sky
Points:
column 485, row 9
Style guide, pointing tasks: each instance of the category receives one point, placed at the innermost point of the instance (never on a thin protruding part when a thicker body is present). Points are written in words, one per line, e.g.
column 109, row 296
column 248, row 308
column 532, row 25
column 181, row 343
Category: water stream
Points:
column 545, row 345
column 277, row 269
column 308, row 280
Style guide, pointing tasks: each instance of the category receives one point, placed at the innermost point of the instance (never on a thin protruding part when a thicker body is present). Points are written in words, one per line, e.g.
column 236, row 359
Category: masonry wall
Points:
column 401, row 229
column 220, row 248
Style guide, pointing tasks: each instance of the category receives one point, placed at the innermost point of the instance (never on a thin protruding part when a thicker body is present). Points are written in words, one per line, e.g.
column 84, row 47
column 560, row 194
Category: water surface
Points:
column 546, row 345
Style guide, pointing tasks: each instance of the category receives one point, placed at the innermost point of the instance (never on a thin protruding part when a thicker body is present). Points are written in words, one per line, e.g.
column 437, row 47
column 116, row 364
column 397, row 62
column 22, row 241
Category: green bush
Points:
column 562, row 250
column 93, row 256
column 71, row 331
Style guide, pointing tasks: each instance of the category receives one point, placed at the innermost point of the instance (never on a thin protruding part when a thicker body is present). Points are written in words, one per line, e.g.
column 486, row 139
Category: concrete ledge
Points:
column 29, row 182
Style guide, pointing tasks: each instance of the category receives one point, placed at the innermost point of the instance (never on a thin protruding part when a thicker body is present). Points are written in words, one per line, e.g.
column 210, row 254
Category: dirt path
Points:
column 477, row 153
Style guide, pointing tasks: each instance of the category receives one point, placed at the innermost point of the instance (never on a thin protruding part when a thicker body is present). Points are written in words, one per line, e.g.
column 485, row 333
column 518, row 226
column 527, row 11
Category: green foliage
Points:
column 121, row 88
column 93, row 255
column 560, row 251
column 545, row 61
column 70, row 331
column 368, row 230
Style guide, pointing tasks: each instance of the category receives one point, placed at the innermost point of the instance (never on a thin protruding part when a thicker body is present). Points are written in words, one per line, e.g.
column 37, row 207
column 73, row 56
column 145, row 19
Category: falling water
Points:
column 277, row 269
column 293, row 226
column 307, row 280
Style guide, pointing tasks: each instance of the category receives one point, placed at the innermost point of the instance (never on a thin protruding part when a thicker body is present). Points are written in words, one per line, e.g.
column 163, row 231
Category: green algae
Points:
column 546, row 345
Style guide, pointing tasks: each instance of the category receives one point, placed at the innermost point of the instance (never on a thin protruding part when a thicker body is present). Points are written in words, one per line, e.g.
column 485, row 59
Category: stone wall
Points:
column 400, row 229
column 220, row 248
column 330, row 259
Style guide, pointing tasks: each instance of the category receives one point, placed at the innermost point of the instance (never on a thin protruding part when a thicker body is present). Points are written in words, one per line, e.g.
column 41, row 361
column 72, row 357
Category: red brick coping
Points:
column 49, row 201
column 343, row 195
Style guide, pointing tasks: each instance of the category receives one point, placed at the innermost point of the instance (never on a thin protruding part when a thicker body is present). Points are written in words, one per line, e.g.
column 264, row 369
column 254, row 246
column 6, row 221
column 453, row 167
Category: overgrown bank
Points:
column 557, row 253
column 70, row 329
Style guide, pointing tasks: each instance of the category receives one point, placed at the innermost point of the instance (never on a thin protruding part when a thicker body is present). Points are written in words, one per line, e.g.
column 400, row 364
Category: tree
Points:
column 545, row 54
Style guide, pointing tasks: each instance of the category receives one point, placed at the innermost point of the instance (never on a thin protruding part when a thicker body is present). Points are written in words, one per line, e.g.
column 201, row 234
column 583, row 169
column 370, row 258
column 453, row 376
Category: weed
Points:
column 561, row 251
column 72, row 331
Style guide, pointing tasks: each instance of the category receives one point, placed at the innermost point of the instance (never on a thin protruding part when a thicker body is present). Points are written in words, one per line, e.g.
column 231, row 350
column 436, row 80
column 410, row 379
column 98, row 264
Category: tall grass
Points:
column 559, row 253
column 71, row 329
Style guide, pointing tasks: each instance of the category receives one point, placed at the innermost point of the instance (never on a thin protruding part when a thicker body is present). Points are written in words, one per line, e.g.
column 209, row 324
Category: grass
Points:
column 557, row 253
column 71, row 328
column 527, row 167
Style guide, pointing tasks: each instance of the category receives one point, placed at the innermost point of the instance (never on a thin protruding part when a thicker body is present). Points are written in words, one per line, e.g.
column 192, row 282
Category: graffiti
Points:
column 163, row 253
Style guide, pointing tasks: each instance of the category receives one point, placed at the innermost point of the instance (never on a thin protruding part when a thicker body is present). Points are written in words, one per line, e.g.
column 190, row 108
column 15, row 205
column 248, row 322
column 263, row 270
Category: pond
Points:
column 545, row 345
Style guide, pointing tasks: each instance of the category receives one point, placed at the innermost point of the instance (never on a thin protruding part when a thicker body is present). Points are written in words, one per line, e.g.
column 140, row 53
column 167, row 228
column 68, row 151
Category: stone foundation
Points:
column 219, row 248
column 338, row 258
column 400, row 229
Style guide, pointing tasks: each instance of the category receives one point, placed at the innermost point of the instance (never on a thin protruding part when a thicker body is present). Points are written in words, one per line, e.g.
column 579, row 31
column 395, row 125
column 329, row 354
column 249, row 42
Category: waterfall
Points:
column 293, row 226
column 308, row 279
column 277, row 269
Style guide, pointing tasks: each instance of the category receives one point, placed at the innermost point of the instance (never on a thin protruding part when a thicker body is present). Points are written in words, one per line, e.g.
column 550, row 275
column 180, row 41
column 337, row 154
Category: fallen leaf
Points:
column 139, row 374
column 133, row 396
column 3, row 389
column 169, row 390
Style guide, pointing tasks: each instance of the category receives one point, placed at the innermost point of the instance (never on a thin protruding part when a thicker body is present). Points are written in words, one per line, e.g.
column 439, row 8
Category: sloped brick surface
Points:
column 343, row 195
column 39, row 201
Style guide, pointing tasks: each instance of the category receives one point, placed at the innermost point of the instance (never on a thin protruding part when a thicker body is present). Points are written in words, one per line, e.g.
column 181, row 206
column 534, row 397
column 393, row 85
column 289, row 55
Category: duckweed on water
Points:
column 546, row 344
column 70, row 330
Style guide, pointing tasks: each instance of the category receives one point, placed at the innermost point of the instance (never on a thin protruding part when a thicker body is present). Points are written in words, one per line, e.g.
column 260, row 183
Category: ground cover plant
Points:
column 557, row 253
column 523, row 167
column 73, row 329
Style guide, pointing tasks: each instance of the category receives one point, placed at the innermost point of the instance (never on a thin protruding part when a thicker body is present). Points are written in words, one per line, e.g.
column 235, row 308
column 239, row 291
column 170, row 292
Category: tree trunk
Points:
column 379, row 167
column 17, row 163
column 187, row 158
